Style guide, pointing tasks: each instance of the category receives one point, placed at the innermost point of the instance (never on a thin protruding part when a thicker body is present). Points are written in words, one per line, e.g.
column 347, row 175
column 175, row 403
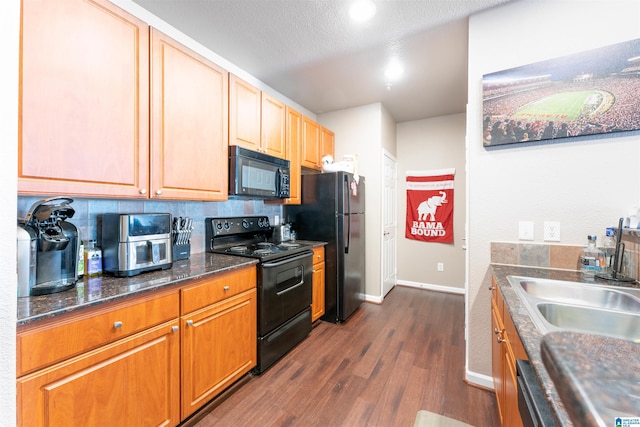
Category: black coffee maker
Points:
column 57, row 245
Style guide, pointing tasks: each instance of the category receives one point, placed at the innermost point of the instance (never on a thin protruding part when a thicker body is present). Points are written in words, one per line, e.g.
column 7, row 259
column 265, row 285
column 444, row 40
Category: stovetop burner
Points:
column 238, row 249
column 249, row 237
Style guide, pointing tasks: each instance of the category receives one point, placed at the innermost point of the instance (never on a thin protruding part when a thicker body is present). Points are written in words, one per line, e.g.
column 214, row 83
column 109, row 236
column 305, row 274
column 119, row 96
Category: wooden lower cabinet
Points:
column 506, row 347
column 317, row 300
column 146, row 361
column 218, row 347
column 132, row 382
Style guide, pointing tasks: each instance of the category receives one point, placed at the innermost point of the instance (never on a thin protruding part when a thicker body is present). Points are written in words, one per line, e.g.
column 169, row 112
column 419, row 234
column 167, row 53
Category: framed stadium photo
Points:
column 587, row 93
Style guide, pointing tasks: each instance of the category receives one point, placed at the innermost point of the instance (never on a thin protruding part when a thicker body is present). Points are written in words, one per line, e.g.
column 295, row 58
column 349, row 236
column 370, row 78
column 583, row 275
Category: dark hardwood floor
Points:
column 378, row 369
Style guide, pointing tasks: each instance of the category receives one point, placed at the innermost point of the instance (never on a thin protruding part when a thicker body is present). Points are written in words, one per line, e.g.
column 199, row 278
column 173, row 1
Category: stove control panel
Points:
column 218, row 227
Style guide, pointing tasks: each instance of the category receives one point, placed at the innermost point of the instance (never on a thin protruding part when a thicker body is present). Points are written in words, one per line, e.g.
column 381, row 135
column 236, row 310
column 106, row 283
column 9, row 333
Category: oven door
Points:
column 284, row 290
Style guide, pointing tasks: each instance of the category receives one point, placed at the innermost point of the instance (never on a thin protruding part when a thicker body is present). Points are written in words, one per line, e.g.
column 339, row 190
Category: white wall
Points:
column 9, row 42
column 436, row 143
column 365, row 131
column 152, row 20
column 585, row 185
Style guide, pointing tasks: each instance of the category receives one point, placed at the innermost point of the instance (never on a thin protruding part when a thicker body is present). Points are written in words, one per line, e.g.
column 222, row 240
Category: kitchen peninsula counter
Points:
column 554, row 383
column 93, row 291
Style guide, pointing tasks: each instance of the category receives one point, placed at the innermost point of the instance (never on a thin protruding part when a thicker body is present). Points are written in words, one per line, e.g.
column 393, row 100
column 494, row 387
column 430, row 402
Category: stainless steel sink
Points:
column 607, row 322
column 583, row 294
column 560, row 305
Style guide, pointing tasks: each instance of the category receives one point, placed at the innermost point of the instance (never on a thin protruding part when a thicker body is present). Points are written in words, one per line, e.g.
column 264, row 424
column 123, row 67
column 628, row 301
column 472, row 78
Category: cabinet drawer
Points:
column 318, row 255
column 213, row 289
column 43, row 346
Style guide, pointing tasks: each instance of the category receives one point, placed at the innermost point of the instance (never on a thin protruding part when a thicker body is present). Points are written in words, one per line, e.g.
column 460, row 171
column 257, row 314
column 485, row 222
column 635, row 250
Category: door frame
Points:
column 389, row 225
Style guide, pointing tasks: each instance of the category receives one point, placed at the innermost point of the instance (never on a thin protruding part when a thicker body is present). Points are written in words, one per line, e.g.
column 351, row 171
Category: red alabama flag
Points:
column 430, row 205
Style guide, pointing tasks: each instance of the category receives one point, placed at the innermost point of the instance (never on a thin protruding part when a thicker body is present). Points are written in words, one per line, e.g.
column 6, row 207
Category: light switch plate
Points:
column 525, row 230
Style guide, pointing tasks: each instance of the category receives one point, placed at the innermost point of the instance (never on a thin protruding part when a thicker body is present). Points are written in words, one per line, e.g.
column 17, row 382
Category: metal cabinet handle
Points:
column 492, row 288
column 117, row 325
column 226, row 288
column 175, row 329
column 496, row 331
column 500, row 340
column 158, row 192
column 189, row 322
column 143, row 191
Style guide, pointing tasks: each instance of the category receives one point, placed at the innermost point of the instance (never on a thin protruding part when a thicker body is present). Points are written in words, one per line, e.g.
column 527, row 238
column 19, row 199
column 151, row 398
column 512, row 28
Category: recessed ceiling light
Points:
column 394, row 71
column 362, row 10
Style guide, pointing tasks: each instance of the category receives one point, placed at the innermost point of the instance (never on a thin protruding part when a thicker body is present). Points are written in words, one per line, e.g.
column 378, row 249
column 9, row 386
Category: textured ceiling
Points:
column 310, row 51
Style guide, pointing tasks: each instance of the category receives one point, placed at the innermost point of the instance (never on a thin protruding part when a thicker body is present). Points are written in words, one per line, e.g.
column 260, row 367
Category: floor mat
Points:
column 429, row 419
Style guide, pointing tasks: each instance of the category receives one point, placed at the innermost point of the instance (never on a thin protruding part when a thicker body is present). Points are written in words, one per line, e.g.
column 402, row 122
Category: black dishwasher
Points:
column 533, row 407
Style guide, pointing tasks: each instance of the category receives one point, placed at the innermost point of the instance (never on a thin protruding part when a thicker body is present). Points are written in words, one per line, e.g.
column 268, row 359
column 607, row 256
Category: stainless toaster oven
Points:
column 135, row 243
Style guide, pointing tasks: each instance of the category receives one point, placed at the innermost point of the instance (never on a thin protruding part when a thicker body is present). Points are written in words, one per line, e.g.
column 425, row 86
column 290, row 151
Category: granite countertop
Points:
column 598, row 377
column 92, row 291
column 554, row 387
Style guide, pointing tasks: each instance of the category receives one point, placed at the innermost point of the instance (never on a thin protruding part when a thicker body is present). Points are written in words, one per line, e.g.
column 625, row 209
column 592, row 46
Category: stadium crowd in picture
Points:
column 587, row 93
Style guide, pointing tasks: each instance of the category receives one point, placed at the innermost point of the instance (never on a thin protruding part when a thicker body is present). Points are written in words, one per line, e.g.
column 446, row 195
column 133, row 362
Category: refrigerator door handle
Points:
column 348, row 213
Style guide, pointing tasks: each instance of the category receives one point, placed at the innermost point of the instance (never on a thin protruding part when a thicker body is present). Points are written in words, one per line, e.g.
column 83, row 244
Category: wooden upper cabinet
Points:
column 84, row 100
column 294, row 148
column 327, row 142
column 310, row 144
column 256, row 119
column 244, row 114
column 273, row 127
column 189, row 119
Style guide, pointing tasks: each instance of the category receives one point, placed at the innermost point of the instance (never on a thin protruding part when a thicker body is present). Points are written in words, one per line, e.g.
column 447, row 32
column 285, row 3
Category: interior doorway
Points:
column 389, row 223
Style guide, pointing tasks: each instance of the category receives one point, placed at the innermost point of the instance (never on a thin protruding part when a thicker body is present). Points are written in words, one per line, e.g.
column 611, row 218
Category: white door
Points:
column 389, row 223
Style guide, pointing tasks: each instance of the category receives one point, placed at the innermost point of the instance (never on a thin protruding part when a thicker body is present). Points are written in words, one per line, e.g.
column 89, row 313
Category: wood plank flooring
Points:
column 378, row 369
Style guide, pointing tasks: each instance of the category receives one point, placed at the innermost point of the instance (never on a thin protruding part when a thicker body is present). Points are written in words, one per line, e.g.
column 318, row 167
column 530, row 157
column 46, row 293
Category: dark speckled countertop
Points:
column 554, row 382
column 92, row 291
column 599, row 376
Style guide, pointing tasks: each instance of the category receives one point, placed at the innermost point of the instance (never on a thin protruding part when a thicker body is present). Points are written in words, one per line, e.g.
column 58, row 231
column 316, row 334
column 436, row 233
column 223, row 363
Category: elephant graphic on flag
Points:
column 429, row 206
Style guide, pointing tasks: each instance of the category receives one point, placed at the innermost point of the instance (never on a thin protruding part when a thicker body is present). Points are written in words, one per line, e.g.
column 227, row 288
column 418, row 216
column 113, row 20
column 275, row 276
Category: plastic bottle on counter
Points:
column 92, row 259
column 592, row 259
column 609, row 247
column 80, row 264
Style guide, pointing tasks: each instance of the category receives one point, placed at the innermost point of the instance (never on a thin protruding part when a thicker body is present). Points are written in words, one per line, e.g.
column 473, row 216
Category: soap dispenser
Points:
column 592, row 260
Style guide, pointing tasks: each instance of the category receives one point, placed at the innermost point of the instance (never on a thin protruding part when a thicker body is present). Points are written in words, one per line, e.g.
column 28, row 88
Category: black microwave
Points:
column 258, row 175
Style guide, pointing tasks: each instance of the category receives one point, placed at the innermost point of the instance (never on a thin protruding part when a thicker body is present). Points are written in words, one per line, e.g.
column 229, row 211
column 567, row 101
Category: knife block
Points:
column 182, row 251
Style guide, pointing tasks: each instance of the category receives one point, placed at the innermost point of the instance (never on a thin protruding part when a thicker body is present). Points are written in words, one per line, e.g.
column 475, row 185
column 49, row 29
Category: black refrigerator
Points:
column 333, row 211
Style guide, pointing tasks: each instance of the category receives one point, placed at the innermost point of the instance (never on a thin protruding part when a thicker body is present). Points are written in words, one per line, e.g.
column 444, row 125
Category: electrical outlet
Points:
column 551, row 231
column 525, row 230
column 440, row 266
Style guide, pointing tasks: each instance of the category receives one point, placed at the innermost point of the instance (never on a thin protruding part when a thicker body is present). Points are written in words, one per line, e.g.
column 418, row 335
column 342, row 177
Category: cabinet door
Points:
column 294, row 142
column 273, row 127
column 218, row 347
column 327, row 142
column 498, row 361
column 189, row 136
column 310, row 144
column 244, row 114
column 317, row 304
column 511, row 412
column 84, row 100
column 132, row 382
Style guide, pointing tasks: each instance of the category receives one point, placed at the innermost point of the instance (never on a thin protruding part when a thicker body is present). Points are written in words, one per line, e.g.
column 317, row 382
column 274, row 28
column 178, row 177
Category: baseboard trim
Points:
column 373, row 299
column 430, row 287
column 479, row 380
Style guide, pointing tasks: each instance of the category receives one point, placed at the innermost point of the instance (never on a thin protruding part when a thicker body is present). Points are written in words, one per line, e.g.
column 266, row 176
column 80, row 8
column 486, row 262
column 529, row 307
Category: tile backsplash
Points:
column 88, row 211
column 562, row 257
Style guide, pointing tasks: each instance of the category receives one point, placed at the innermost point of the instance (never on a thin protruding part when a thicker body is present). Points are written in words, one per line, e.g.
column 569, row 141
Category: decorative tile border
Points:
column 560, row 257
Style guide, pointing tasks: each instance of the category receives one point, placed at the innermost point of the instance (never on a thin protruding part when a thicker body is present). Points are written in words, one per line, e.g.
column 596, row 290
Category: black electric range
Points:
column 284, row 281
